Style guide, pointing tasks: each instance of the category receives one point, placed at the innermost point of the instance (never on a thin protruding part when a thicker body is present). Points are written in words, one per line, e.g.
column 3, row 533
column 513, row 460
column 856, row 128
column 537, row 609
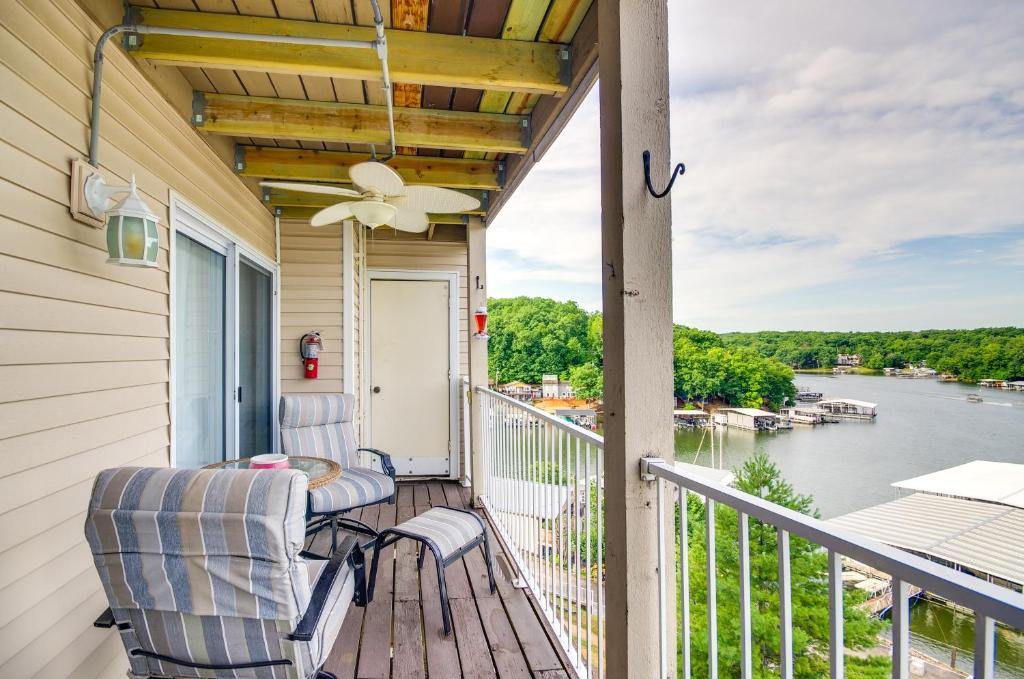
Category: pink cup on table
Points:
column 270, row 461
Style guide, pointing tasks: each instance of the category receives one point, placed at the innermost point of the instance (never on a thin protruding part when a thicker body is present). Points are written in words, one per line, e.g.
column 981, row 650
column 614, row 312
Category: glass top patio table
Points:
column 320, row 470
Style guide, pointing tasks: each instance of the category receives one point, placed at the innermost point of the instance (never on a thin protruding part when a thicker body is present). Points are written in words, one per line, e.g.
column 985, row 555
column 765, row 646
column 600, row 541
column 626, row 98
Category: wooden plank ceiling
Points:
column 281, row 135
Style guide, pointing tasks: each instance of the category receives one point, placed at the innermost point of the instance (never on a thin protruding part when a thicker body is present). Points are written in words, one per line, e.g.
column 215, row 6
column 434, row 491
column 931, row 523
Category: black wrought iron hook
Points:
column 679, row 170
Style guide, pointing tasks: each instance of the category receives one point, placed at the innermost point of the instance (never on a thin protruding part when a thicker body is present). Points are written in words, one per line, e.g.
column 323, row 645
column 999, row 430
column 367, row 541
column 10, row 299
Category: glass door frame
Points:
column 200, row 227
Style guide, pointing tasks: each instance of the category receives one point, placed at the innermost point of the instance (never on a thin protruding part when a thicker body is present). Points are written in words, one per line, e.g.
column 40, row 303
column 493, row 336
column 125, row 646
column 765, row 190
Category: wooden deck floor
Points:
column 399, row 634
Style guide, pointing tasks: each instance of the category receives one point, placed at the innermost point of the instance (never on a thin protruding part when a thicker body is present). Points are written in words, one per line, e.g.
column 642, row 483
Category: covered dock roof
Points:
column 1001, row 482
column 749, row 412
column 850, row 401
column 984, row 537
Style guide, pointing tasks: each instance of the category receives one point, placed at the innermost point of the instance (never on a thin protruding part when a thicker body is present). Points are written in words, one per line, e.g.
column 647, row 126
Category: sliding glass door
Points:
column 223, row 347
column 200, row 421
column 255, row 354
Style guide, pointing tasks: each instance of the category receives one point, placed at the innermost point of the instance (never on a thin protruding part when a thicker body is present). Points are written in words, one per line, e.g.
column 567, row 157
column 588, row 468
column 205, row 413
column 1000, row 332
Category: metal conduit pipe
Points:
column 380, row 44
column 382, row 54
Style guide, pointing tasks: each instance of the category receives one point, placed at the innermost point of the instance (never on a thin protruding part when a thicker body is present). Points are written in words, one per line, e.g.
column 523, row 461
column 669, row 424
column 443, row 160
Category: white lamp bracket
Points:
column 98, row 193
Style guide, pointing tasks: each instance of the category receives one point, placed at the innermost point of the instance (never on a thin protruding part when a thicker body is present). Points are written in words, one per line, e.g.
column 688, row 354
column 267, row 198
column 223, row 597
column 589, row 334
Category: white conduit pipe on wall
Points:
column 380, row 44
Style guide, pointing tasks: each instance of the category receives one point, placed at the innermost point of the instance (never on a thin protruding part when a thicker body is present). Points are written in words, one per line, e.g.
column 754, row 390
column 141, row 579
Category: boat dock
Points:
column 690, row 419
column 849, row 408
column 750, row 419
column 968, row 518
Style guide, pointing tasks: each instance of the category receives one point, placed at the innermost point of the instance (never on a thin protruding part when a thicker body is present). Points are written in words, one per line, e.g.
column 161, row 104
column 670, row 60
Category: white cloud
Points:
column 818, row 137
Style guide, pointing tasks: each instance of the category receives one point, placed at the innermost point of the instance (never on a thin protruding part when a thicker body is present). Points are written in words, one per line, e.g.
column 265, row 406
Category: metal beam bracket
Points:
column 526, row 133
column 565, row 64
column 645, row 468
column 239, row 158
column 501, row 173
column 198, row 106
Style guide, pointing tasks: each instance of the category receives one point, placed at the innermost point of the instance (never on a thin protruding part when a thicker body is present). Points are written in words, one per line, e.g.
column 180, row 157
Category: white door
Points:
column 411, row 350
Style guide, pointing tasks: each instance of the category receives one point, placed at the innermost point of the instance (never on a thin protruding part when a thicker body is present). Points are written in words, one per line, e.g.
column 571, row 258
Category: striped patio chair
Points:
column 204, row 575
column 320, row 425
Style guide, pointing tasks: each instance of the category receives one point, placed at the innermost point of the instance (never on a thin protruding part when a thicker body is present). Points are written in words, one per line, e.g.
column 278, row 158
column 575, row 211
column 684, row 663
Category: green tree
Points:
column 587, row 381
column 760, row 477
column 532, row 336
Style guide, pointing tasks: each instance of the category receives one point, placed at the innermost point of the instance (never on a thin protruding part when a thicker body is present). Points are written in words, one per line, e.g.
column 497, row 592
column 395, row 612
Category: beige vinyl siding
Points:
column 83, row 344
column 311, row 299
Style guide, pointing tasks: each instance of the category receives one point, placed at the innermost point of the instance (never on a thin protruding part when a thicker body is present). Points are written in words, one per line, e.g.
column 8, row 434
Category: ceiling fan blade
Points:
column 414, row 221
column 311, row 188
column 434, row 199
column 332, row 214
column 372, row 175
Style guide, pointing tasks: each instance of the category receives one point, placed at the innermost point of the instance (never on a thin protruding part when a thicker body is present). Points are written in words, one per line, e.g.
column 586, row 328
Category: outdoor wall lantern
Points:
column 480, row 317
column 132, row 237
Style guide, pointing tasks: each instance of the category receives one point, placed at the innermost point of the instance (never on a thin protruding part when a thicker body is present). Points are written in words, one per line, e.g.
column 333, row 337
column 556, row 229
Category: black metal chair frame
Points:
column 317, row 521
column 389, row 536
column 350, row 552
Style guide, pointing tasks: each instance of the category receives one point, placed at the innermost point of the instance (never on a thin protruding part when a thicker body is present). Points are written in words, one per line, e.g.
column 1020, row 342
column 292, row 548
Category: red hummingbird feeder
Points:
column 480, row 317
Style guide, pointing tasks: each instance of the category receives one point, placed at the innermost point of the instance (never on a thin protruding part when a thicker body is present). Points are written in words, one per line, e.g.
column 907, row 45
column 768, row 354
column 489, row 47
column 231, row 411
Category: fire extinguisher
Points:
column 310, row 347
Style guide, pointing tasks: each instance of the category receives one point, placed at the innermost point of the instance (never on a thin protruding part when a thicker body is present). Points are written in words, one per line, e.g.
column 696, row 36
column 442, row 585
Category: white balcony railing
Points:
column 989, row 602
column 543, row 490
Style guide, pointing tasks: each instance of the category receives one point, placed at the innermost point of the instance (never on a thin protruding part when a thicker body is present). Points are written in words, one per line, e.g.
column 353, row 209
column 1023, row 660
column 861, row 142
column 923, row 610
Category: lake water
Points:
column 922, row 426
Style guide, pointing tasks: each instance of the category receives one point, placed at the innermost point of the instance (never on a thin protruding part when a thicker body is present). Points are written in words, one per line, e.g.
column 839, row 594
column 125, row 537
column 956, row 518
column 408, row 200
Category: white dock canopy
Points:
column 1001, row 482
column 983, row 537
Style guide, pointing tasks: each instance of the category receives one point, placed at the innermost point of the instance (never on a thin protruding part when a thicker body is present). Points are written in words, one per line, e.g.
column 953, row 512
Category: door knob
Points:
column 376, row 390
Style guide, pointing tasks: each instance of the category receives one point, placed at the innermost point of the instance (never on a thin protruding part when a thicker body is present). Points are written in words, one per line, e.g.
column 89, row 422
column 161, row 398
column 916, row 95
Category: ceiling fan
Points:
column 384, row 199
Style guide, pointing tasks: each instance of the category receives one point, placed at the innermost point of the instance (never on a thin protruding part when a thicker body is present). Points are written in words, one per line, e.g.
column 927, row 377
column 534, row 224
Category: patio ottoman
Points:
column 450, row 534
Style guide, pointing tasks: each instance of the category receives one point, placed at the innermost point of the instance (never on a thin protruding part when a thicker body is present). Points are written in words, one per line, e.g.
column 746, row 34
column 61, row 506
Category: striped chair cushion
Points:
column 201, row 541
column 448, row 529
column 357, row 486
column 219, row 640
column 319, row 425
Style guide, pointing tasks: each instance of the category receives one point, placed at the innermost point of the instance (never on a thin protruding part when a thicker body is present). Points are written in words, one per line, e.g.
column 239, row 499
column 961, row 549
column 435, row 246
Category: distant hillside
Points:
column 972, row 354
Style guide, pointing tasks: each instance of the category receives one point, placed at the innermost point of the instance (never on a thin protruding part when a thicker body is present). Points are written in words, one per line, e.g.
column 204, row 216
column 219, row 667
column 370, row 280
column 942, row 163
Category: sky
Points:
column 850, row 166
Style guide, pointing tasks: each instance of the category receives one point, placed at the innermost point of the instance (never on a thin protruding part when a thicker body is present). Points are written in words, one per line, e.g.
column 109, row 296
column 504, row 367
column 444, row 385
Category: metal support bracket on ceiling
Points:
column 525, row 132
column 198, row 106
column 135, row 30
column 239, row 159
column 501, row 173
column 565, row 65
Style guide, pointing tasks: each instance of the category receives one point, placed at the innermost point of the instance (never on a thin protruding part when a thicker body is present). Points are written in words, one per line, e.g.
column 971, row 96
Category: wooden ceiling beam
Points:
column 413, row 56
column 333, row 166
column 268, row 117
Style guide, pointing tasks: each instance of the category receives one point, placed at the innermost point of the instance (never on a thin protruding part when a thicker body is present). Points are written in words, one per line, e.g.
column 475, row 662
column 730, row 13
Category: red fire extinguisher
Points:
column 310, row 347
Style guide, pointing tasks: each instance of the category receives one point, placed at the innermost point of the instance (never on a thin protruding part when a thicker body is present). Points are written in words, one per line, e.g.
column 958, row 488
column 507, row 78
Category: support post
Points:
column 637, row 293
column 476, row 237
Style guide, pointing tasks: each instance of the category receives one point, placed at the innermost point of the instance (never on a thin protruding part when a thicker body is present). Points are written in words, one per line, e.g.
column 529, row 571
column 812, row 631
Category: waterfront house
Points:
column 178, row 358
column 852, row 360
column 520, row 390
column 552, row 386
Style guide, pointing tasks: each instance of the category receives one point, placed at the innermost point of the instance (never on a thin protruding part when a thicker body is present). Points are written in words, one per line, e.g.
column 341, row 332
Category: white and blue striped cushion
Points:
column 449, row 530
column 319, row 425
column 356, row 487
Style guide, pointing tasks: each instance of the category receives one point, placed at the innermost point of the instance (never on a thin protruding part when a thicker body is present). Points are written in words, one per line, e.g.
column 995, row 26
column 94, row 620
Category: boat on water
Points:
column 974, row 398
